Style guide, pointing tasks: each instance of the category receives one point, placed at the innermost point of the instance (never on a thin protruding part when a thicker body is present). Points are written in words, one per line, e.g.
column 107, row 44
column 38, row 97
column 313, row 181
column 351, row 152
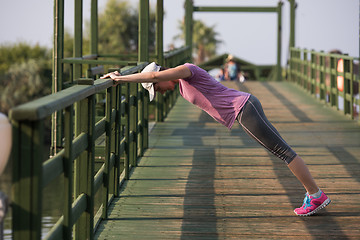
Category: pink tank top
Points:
column 220, row 102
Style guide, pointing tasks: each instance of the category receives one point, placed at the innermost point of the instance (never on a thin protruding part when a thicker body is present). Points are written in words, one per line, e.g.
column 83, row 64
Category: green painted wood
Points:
column 68, row 172
column 160, row 31
column 292, row 23
column 80, row 163
column 189, row 9
column 37, row 158
column 45, row 106
column 279, row 34
column 118, row 136
column 57, row 81
column 133, row 120
column 322, row 80
column 53, row 168
column 94, row 27
column 107, row 169
column 78, row 37
column 198, row 180
column 90, row 186
column 234, row 9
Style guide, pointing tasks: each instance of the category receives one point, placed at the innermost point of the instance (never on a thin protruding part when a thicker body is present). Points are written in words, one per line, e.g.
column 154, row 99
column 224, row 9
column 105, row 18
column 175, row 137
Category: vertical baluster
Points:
column 118, row 136
column 351, row 87
column 36, row 186
column 112, row 168
column 125, row 127
column 107, row 153
column 91, row 166
column 68, row 172
column 347, row 87
column 133, row 124
column 322, row 76
column 140, row 122
column 27, row 177
column 311, row 86
column 305, row 76
column 333, row 97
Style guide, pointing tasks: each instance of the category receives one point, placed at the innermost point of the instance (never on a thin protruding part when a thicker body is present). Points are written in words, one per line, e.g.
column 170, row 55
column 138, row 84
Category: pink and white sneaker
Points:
column 311, row 204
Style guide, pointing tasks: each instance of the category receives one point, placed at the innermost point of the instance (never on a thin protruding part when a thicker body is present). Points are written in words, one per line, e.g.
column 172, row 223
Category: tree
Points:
column 205, row 40
column 20, row 53
column 118, row 28
column 25, row 74
column 25, row 82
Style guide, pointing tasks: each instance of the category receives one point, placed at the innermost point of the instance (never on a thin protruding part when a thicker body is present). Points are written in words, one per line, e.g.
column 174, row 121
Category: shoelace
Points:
column 307, row 201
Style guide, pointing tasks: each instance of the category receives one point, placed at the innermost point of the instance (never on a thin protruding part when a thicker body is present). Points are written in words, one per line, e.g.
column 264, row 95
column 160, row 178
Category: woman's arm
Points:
column 178, row 72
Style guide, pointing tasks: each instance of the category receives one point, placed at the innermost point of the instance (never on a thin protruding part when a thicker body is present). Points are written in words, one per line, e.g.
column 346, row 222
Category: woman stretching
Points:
column 226, row 105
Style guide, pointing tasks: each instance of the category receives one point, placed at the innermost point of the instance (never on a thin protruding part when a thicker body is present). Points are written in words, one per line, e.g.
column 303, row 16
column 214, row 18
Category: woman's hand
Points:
column 113, row 75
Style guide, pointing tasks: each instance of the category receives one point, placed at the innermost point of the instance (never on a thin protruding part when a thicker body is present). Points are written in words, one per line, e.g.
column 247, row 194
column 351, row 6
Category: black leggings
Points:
column 255, row 123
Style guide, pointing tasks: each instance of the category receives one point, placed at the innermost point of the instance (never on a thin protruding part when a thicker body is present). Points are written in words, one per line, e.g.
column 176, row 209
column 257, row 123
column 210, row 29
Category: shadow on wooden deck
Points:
column 199, row 180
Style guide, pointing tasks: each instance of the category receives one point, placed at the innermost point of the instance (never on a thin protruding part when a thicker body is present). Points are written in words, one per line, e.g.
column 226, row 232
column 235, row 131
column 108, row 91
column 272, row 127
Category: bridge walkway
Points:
column 198, row 180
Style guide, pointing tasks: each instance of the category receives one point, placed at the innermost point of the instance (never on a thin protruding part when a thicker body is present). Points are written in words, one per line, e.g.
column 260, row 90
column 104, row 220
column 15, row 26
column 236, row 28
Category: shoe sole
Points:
column 324, row 204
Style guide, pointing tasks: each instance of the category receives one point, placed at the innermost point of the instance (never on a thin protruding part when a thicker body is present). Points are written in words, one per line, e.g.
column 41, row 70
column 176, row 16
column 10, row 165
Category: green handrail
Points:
column 76, row 160
column 317, row 73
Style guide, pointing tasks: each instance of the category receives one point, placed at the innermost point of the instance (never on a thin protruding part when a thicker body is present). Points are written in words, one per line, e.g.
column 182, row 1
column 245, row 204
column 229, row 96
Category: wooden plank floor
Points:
column 199, row 180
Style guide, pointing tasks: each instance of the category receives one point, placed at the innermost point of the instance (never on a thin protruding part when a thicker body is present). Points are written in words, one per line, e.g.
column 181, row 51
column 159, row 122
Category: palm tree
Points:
column 205, row 40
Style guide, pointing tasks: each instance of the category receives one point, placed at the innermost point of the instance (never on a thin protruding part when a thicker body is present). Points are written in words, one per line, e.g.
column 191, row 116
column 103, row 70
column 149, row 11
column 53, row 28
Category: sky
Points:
column 321, row 25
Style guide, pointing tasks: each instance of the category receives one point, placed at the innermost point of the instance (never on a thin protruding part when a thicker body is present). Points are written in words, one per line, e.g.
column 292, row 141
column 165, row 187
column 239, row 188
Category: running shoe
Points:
column 311, row 204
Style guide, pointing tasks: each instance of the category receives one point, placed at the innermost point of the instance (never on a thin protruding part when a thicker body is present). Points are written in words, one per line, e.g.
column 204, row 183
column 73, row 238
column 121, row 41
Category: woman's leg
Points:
column 255, row 123
column 302, row 173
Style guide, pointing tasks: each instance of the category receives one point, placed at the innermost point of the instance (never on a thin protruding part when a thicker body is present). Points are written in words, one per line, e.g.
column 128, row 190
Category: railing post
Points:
column 322, row 87
column 68, row 172
column 106, row 180
column 159, row 31
column 118, row 137
column 125, row 127
column 351, row 82
column 189, row 9
column 142, row 103
column 57, row 82
column 314, row 65
column 94, row 27
column 279, row 33
column 78, row 36
column 305, row 74
column 333, row 83
column 347, row 87
column 84, row 168
column 133, row 120
column 113, row 143
column 292, row 23
column 28, row 155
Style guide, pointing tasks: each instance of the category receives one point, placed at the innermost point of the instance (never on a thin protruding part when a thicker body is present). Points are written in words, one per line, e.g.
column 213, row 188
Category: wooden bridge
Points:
column 199, row 180
column 189, row 177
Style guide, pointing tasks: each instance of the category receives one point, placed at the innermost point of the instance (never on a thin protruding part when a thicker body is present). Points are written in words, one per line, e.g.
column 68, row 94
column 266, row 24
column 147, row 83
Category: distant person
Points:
column 221, row 75
column 226, row 106
column 232, row 71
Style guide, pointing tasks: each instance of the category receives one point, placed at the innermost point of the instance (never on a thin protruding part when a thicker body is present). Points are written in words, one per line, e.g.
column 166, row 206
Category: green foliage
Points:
column 25, row 74
column 20, row 53
column 118, row 28
column 24, row 82
column 69, row 44
column 205, row 40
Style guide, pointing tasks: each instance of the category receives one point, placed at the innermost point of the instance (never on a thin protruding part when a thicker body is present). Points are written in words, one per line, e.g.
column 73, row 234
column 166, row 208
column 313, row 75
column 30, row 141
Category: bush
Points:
column 25, row 82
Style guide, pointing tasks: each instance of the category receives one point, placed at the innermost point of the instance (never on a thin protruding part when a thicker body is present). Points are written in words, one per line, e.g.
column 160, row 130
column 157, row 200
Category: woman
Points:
column 225, row 106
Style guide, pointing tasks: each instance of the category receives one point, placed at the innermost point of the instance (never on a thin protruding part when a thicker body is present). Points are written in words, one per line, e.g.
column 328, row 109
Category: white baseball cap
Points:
column 152, row 67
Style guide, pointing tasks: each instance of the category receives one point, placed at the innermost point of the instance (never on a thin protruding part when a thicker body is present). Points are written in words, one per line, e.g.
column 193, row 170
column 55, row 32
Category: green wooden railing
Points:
column 123, row 127
column 317, row 73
